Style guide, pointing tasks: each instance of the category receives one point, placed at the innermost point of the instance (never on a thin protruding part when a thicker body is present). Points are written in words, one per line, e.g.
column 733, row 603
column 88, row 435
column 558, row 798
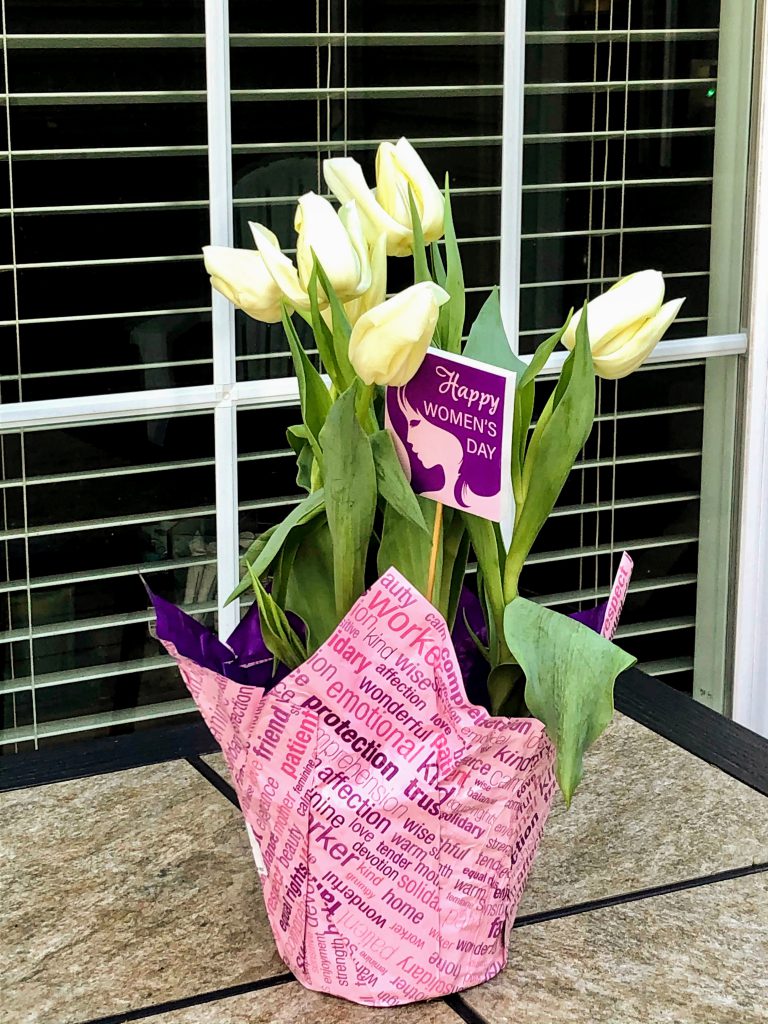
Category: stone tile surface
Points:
column 698, row 956
column 125, row 890
column 646, row 813
column 292, row 1004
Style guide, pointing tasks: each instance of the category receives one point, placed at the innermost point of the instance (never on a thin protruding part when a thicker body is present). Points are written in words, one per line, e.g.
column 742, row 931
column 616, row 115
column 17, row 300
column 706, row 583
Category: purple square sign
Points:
column 452, row 428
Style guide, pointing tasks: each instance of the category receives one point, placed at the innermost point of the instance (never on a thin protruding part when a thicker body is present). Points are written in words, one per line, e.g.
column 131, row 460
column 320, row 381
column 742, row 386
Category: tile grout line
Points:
column 216, row 780
column 641, row 894
column 153, row 1010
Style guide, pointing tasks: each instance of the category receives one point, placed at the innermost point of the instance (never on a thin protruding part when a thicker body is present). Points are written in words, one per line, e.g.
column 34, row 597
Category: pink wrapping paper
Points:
column 393, row 823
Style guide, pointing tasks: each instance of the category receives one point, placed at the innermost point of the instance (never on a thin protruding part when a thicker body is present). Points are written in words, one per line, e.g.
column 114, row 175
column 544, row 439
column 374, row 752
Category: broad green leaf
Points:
column 454, row 282
column 488, row 342
column 315, row 397
column 350, row 497
column 341, row 329
column 266, row 548
column 279, row 636
column 408, row 547
column 310, row 592
column 323, row 335
column 547, row 466
column 570, row 672
column 390, row 478
column 420, row 265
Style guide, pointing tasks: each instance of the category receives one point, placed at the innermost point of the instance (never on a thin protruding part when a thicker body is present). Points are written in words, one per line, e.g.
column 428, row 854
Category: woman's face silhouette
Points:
column 431, row 444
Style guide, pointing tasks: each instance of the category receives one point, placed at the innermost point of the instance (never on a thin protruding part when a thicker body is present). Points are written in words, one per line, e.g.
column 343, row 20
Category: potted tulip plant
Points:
column 367, row 549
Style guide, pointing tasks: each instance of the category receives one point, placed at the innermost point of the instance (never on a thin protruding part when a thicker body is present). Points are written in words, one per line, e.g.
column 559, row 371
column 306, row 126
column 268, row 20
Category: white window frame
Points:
column 225, row 396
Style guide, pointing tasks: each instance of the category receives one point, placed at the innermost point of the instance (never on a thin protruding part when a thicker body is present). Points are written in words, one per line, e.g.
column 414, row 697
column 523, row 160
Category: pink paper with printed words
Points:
column 393, row 823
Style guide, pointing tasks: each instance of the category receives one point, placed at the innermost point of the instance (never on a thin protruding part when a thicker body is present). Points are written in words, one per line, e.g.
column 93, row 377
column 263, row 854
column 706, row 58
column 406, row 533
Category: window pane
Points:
column 86, row 511
column 108, row 167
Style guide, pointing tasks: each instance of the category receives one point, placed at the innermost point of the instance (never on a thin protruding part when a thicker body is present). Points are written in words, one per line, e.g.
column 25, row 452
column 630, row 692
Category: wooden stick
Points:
column 433, row 552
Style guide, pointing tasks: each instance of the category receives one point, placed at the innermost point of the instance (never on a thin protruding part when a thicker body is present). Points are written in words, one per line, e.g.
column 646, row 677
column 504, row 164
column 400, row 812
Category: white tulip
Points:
column 399, row 167
column 625, row 323
column 388, row 343
column 344, row 177
column 338, row 242
column 241, row 276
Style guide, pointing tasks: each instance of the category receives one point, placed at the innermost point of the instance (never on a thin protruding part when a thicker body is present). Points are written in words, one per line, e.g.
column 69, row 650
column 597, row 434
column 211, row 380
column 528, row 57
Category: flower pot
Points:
column 393, row 823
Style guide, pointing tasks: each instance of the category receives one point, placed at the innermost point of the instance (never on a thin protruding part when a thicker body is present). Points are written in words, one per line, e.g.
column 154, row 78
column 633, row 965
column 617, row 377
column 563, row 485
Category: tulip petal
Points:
column 344, row 177
column 283, row 272
column 627, row 359
column 350, row 218
column 631, row 301
column 428, row 197
column 241, row 276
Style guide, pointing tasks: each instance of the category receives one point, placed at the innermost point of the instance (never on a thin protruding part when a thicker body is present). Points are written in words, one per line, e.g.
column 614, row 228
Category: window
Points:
column 136, row 409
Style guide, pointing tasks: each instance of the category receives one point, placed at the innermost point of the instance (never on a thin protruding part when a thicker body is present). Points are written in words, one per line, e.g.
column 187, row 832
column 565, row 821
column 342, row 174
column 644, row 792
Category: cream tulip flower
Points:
column 344, row 177
column 338, row 242
column 625, row 323
column 399, row 167
column 388, row 343
column 241, row 276
column 284, row 274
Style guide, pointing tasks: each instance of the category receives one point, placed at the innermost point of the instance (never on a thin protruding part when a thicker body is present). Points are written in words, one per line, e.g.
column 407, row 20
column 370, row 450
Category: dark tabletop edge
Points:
column 733, row 749
column 101, row 756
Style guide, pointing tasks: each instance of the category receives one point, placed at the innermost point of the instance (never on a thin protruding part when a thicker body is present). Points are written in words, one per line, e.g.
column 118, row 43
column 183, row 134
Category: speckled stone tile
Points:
column 646, row 813
column 292, row 1004
column 694, row 957
column 125, row 890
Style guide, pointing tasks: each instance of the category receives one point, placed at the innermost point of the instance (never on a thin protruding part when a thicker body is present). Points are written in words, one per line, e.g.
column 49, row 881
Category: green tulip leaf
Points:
column 570, row 672
column 298, row 439
column 408, row 547
column 341, row 329
column 454, row 569
column 279, row 635
column 453, row 317
column 488, row 342
column 314, row 395
column 420, row 265
column 438, row 268
column 484, row 542
column 506, row 684
column 310, row 593
column 323, row 334
column 392, row 483
column 267, row 547
column 560, row 434
column 350, row 497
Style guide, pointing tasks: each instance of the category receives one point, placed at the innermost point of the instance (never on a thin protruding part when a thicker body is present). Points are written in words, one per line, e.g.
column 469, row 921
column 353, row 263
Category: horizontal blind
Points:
column 103, row 199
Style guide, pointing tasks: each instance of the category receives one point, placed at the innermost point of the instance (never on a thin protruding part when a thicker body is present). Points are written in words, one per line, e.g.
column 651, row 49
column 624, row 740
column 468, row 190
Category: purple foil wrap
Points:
column 244, row 659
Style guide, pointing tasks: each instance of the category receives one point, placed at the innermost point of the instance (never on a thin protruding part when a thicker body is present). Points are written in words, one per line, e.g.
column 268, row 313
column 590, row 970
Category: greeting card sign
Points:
column 452, row 428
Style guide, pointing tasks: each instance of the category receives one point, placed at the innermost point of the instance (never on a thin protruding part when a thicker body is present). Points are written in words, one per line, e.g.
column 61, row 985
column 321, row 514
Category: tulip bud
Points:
column 241, row 276
column 388, row 343
column 625, row 323
column 398, row 168
column 344, row 177
column 338, row 242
